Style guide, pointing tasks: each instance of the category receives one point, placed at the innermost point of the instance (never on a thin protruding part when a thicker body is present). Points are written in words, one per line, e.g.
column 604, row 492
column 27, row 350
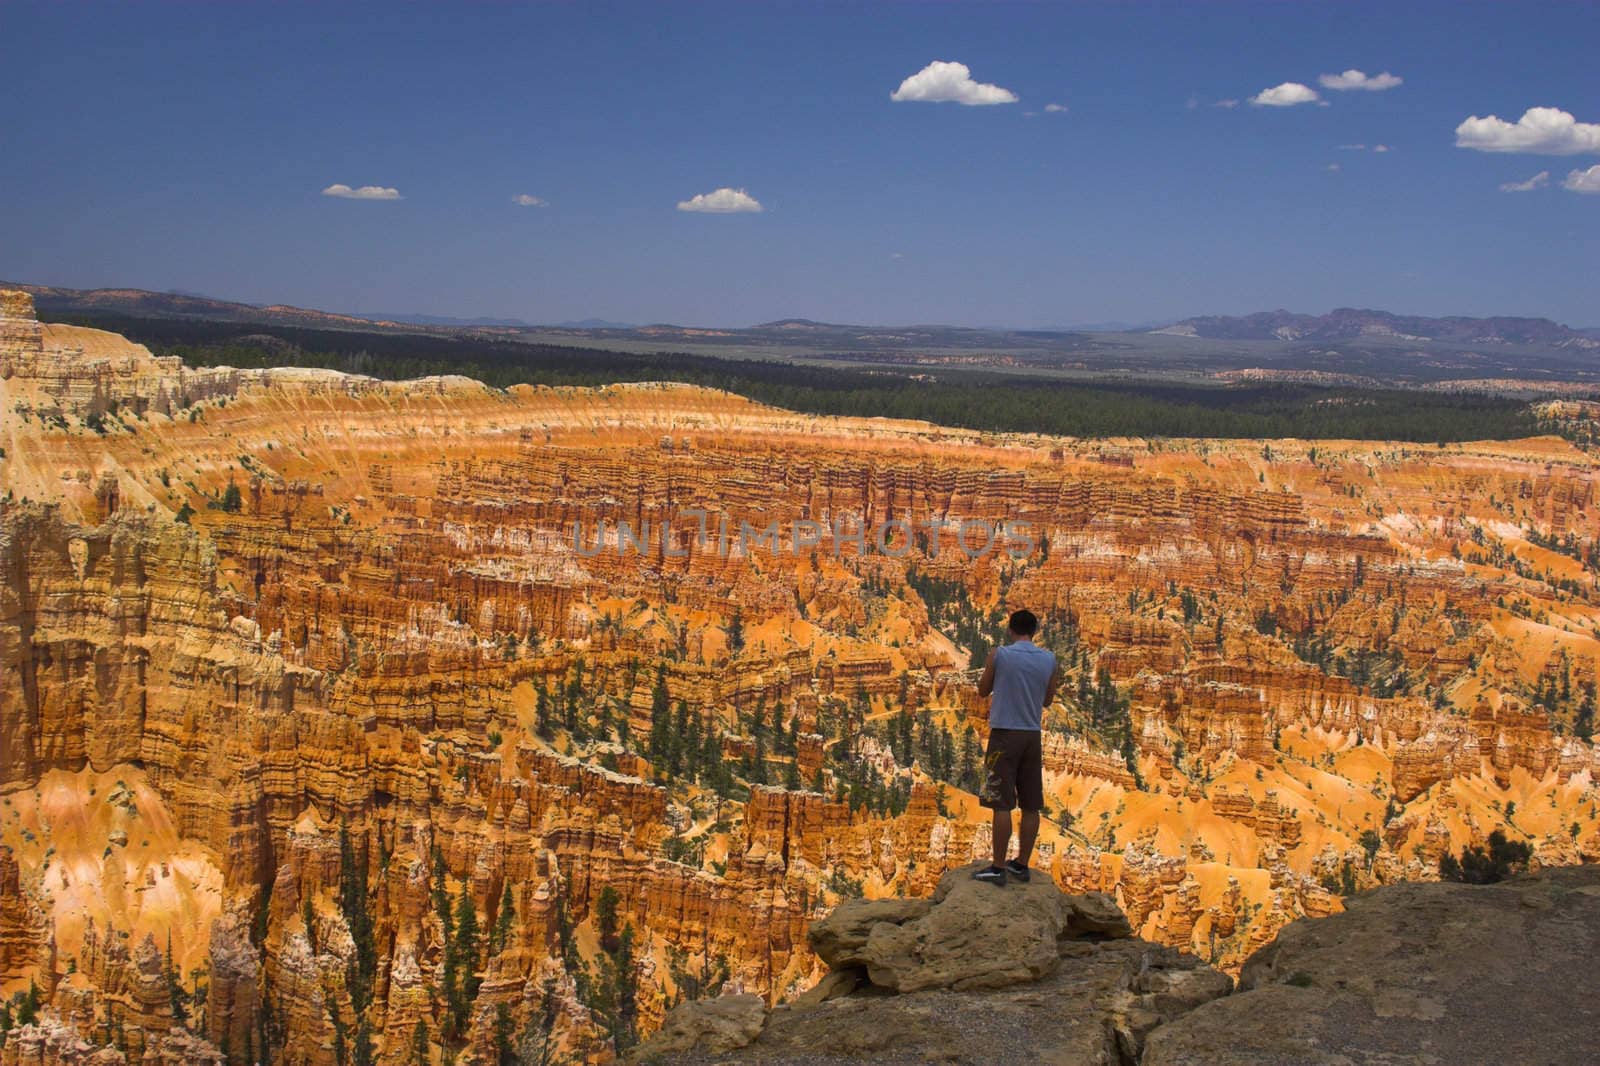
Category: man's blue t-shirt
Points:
column 1021, row 673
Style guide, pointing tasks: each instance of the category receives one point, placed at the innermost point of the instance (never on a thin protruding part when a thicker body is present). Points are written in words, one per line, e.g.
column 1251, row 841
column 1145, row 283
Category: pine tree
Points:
column 676, row 739
column 967, row 775
column 354, row 905
column 660, row 718
column 605, row 911
column 900, row 740
column 362, row 1052
column 625, row 994
column 710, row 757
column 505, row 1052
column 419, row 1044
column 440, row 891
column 1583, row 720
column 175, row 996
column 758, row 762
column 466, row 940
column 502, row 922
column 541, row 715
column 308, row 918
column 28, row 1007
column 1370, row 843
column 693, row 749
column 572, row 704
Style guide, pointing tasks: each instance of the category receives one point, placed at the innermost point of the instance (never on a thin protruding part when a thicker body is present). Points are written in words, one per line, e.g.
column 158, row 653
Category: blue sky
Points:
column 188, row 146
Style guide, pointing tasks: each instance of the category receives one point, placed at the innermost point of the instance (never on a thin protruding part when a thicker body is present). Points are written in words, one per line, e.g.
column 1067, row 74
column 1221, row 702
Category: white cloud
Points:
column 1380, row 148
column 1055, row 109
column 365, row 192
column 942, row 82
column 1540, row 130
column 1352, row 148
column 724, row 201
column 1334, row 168
column 1229, row 104
column 522, row 199
column 1286, row 95
column 1583, row 180
column 1538, row 181
column 1355, row 79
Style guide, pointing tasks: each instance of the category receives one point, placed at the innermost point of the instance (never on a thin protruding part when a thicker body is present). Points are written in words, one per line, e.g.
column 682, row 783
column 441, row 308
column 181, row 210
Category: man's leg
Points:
column 1030, row 792
column 999, row 794
column 1002, row 834
column 1029, row 833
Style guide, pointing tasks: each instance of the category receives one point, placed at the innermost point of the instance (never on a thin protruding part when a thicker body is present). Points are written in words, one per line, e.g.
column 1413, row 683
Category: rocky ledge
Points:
column 974, row 974
column 1410, row 974
column 1414, row 974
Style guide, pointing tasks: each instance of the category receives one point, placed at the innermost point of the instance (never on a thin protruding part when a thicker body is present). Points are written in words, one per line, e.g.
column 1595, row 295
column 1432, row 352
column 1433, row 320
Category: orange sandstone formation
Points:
column 301, row 668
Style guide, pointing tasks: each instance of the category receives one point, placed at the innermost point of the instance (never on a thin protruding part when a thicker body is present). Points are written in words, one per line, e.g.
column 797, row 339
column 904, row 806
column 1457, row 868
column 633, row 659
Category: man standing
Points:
column 1021, row 677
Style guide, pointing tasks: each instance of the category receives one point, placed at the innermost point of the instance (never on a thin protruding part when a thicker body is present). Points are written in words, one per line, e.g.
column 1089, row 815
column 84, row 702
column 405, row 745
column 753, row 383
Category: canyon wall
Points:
column 304, row 671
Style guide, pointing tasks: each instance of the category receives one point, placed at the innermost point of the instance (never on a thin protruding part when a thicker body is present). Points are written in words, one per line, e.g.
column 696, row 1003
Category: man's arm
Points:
column 1051, row 685
column 986, row 682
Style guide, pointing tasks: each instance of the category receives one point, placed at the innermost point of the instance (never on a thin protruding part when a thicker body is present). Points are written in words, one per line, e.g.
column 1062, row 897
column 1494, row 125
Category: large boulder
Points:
column 1413, row 974
column 975, row 936
column 841, row 937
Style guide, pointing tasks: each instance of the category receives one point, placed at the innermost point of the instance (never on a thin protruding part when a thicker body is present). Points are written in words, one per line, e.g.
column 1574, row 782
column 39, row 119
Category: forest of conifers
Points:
column 969, row 398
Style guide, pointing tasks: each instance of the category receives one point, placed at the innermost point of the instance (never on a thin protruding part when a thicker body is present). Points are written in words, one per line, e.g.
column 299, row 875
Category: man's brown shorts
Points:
column 1014, row 771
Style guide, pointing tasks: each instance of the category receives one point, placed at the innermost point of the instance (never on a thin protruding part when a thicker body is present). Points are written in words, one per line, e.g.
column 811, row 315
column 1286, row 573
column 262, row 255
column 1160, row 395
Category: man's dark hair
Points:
column 1023, row 624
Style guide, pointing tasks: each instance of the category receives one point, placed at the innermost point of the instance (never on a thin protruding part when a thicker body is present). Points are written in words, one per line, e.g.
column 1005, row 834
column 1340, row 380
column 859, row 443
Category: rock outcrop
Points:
column 965, row 937
column 975, row 974
column 57, row 371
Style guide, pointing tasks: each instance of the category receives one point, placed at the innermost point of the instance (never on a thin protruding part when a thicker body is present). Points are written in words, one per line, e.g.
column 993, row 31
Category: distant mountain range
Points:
column 144, row 303
column 1348, row 345
column 179, row 304
column 1349, row 323
column 1343, row 324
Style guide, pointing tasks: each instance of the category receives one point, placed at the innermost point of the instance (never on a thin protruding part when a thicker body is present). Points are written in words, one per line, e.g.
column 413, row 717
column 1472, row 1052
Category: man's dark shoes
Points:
column 991, row 875
column 1017, row 870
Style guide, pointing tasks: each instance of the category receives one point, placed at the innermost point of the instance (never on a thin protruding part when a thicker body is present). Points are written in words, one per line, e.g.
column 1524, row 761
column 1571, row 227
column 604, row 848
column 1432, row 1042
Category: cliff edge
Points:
column 1417, row 973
